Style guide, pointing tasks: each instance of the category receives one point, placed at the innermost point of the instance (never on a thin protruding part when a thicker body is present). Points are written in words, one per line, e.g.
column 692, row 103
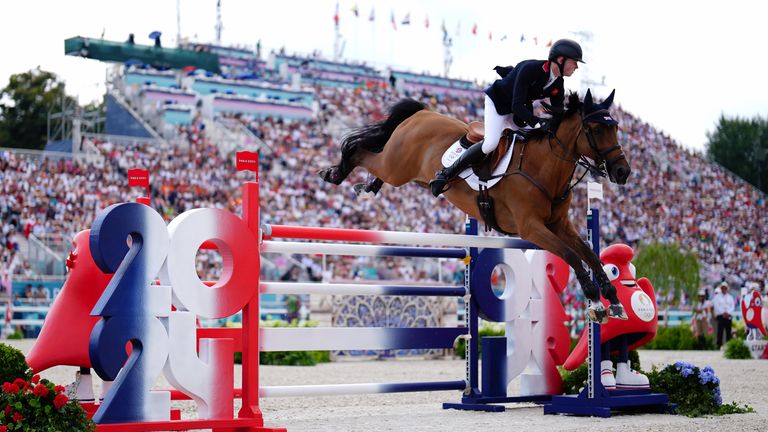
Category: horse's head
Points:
column 599, row 139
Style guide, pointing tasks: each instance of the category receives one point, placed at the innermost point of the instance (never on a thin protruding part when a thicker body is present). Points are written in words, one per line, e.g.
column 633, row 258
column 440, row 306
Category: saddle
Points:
column 484, row 170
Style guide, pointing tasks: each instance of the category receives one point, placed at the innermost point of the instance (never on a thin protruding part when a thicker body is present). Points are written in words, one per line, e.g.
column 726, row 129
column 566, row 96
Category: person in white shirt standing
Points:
column 725, row 306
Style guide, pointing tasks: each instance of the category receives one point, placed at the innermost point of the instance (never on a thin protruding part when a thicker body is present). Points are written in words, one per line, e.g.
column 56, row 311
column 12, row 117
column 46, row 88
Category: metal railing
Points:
column 48, row 256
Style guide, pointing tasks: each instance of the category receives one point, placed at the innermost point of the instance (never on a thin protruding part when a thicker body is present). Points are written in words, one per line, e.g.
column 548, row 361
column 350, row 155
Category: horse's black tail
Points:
column 370, row 138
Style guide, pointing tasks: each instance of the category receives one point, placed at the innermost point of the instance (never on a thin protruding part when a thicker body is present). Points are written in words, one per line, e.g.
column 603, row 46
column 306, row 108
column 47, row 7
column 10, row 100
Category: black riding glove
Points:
column 545, row 124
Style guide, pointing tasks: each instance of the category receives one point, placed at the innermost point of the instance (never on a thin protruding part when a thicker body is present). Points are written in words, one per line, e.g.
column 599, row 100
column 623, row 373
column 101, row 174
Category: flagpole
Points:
column 372, row 20
column 392, row 39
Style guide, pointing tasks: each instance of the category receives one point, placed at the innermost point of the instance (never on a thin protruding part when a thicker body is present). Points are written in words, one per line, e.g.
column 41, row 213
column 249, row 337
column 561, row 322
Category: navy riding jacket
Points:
column 515, row 93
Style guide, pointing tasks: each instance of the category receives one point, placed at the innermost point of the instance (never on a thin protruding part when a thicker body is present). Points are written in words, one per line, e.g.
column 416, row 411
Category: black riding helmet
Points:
column 566, row 48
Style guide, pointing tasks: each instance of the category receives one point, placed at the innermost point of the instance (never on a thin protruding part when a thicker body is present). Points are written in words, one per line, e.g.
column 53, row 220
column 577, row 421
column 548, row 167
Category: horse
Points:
column 533, row 197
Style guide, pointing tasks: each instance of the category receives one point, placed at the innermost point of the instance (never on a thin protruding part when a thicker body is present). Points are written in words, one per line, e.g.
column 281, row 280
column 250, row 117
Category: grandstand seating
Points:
column 436, row 85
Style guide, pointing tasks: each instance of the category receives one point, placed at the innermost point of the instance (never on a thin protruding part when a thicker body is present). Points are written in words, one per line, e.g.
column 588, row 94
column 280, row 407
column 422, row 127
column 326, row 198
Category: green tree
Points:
column 669, row 269
column 24, row 106
column 741, row 146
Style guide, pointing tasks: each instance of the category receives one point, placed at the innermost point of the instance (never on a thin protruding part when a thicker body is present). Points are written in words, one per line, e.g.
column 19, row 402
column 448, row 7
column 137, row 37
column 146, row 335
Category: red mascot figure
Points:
column 619, row 336
column 63, row 340
column 755, row 315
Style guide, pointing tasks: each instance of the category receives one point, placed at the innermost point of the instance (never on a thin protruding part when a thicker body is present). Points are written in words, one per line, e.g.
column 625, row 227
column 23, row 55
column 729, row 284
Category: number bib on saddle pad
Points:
column 469, row 175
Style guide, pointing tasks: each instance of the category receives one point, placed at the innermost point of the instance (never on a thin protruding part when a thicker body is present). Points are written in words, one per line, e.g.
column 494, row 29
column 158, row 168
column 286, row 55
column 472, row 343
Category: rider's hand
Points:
column 545, row 124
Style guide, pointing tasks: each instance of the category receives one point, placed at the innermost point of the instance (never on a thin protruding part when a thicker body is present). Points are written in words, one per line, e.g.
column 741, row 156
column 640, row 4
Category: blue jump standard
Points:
column 601, row 406
column 602, row 401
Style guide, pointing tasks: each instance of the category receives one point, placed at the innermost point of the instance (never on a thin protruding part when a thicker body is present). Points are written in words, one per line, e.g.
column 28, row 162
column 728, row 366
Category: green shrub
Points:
column 736, row 349
column 678, row 338
column 486, row 329
column 289, row 358
column 39, row 405
column 12, row 364
column 16, row 335
column 695, row 391
column 575, row 380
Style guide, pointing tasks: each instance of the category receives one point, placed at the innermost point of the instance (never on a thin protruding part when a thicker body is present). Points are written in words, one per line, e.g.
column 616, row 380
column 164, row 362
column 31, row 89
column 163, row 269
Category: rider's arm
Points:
column 525, row 76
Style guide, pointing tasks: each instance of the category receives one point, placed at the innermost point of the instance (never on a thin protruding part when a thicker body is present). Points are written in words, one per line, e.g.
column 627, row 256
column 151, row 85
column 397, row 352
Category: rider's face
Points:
column 570, row 67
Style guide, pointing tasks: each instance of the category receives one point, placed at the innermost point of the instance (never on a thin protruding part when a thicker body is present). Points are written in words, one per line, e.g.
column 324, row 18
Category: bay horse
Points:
column 533, row 198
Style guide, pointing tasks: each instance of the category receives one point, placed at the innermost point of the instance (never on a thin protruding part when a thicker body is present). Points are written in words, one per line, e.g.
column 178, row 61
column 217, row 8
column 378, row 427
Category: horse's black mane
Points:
column 572, row 107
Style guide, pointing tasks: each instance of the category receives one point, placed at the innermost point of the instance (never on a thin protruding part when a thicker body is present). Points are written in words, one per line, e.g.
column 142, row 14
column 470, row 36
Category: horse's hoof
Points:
column 617, row 311
column 597, row 315
column 328, row 175
column 359, row 189
column 596, row 312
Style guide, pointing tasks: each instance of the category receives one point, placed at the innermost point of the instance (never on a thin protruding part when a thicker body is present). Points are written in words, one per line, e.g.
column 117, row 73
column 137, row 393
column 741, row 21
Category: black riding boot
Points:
column 471, row 156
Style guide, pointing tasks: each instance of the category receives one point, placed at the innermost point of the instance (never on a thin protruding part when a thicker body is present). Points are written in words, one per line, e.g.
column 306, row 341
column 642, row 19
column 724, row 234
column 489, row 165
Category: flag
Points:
column 503, row 38
column 392, row 19
column 406, row 19
column 247, row 161
column 490, row 36
column 426, row 21
column 372, row 16
column 138, row 177
column 474, row 29
column 549, row 44
column 355, row 10
column 535, row 40
column 522, row 38
column 336, row 15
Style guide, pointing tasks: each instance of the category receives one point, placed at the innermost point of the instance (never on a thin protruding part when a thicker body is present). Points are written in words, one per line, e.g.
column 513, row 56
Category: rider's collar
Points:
column 551, row 78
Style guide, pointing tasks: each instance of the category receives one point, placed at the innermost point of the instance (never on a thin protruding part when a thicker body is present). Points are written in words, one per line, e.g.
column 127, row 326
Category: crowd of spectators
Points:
column 674, row 195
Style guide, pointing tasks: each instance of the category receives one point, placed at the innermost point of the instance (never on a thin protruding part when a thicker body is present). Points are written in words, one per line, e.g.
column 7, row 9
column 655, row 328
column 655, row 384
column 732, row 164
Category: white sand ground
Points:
column 745, row 381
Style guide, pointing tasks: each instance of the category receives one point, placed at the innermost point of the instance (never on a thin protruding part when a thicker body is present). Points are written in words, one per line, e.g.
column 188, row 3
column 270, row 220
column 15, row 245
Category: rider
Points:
column 509, row 103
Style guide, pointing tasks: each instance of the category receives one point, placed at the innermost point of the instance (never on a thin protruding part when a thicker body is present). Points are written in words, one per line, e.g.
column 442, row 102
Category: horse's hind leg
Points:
column 336, row 173
column 536, row 232
column 567, row 232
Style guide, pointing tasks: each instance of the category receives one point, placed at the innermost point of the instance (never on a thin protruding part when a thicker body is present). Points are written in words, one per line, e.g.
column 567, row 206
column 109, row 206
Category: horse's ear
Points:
column 608, row 102
column 588, row 100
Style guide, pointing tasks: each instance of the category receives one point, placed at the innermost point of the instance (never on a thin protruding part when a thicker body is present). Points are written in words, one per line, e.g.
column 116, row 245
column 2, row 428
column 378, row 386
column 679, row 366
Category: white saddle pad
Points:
column 468, row 175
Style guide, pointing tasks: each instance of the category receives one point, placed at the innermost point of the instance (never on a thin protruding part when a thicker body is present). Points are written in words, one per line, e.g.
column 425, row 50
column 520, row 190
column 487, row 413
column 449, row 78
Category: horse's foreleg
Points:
column 537, row 232
column 372, row 186
column 567, row 232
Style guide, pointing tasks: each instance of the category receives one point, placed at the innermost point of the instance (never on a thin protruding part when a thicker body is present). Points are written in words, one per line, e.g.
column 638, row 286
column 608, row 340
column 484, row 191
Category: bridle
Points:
column 602, row 165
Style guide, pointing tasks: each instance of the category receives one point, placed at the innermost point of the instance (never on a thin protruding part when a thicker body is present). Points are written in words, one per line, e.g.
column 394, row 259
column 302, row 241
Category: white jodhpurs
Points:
column 495, row 124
